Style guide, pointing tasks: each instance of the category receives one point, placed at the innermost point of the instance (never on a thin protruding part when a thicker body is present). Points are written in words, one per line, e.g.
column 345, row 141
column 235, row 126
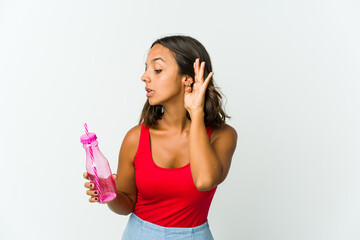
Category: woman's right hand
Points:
column 93, row 193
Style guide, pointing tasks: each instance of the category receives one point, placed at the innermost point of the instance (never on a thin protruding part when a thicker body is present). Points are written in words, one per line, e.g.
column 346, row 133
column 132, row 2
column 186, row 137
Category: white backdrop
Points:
column 290, row 72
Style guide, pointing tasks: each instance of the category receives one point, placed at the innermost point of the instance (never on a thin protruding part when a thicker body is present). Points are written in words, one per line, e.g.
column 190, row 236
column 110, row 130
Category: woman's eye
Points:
column 158, row 70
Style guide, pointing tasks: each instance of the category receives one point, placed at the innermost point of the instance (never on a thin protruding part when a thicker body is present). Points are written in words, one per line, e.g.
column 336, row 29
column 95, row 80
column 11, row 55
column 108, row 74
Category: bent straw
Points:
column 94, row 165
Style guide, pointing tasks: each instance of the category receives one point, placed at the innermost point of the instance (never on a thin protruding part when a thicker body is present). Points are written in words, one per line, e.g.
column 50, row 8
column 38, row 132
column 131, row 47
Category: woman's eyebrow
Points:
column 158, row 58
column 155, row 59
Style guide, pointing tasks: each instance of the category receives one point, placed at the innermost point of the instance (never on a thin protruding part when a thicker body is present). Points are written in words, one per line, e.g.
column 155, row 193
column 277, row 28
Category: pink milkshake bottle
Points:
column 98, row 168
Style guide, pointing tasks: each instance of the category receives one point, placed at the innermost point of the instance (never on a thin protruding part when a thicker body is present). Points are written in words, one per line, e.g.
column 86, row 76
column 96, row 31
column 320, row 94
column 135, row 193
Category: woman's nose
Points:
column 145, row 77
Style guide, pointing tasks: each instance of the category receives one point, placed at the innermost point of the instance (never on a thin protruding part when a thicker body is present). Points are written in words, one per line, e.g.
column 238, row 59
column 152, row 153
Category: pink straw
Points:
column 86, row 130
column 94, row 165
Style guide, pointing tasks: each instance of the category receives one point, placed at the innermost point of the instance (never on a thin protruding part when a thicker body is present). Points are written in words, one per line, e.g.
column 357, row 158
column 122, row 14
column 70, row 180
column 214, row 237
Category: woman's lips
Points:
column 148, row 94
column 149, row 91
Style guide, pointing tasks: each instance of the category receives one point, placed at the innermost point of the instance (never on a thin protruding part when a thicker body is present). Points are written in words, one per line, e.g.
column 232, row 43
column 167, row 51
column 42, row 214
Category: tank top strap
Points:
column 144, row 143
column 209, row 130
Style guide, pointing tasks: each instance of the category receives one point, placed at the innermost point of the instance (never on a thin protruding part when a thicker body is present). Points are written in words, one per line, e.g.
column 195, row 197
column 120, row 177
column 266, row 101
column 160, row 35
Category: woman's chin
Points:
column 153, row 103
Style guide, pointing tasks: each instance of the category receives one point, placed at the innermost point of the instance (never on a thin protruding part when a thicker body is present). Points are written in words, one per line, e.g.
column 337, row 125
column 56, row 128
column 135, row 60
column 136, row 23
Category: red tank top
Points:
column 168, row 196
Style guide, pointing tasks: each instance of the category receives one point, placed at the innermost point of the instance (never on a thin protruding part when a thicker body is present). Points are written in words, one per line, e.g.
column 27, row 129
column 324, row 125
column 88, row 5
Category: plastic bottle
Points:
column 98, row 168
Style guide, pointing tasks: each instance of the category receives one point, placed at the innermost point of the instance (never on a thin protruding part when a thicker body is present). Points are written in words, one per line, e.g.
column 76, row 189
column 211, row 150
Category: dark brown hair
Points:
column 186, row 50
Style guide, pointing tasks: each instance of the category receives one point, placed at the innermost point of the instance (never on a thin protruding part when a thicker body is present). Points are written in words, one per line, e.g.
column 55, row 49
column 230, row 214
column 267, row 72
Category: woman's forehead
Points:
column 160, row 53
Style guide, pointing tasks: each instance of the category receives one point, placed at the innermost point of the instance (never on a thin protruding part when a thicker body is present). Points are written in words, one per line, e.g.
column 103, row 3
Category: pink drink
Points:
column 107, row 188
column 98, row 168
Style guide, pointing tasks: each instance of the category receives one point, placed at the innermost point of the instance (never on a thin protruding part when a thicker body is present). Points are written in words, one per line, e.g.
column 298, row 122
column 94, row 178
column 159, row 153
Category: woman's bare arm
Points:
column 124, row 203
column 210, row 163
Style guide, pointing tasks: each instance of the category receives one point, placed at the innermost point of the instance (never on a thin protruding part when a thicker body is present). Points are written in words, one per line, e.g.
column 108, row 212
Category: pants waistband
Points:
column 153, row 226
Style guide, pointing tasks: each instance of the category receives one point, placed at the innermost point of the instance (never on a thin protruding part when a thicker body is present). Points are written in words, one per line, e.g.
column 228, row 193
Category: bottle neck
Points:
column 93, row 145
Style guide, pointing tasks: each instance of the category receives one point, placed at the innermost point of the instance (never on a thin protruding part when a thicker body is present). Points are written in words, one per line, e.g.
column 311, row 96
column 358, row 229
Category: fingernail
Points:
column 96, row 192
column 96, row 199
column 91, row 185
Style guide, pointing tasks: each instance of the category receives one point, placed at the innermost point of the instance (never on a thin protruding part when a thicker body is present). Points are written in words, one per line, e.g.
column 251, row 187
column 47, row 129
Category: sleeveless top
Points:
column 168, row 196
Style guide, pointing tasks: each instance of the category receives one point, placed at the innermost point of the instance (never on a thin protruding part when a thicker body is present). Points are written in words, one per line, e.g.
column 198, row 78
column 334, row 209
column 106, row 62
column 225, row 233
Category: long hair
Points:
column 186, row 50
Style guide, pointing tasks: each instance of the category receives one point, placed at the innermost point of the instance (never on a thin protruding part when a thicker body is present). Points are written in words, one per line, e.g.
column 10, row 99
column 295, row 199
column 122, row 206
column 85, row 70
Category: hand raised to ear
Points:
column 195, row 95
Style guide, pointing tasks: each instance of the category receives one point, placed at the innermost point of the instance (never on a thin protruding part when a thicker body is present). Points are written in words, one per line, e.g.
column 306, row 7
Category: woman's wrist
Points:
column 196, row 114
column 122, row 204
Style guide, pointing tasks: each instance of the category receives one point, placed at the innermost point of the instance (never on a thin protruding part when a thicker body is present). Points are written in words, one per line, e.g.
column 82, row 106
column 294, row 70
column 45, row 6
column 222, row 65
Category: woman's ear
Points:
column 188, row 80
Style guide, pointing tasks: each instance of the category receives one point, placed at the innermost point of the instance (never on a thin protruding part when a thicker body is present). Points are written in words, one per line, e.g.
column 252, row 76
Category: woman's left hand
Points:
column 195, row 97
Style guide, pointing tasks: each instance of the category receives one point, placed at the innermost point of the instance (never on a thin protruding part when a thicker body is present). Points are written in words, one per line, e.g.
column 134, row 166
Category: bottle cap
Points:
column 86, row 139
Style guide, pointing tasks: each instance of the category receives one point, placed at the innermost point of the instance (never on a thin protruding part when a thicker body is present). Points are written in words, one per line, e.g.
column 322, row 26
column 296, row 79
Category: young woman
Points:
column 171, row 163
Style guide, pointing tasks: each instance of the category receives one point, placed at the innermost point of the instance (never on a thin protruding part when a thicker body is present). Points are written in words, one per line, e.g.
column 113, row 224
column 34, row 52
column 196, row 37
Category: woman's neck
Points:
column 174, row 118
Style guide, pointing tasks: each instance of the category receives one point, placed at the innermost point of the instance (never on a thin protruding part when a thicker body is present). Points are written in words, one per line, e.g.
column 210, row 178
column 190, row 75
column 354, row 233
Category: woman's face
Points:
column 161, row 76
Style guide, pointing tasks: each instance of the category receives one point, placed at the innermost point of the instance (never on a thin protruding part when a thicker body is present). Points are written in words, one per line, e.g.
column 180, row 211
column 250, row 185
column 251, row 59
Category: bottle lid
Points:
column 86, row 139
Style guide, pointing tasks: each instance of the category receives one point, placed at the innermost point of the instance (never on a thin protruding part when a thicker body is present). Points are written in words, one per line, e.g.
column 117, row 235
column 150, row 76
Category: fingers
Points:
column 92, row 200
column 89, row 185
column 93, row 193
column 199, row 71
column 207, row 80
column 196, row 69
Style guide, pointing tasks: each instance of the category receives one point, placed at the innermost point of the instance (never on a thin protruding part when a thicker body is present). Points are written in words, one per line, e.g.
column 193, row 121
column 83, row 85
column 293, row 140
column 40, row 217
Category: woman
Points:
column 171, row 163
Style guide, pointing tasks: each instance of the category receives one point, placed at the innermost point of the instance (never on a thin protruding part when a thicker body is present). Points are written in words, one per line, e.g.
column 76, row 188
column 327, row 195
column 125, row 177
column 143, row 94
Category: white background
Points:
column 290, row 72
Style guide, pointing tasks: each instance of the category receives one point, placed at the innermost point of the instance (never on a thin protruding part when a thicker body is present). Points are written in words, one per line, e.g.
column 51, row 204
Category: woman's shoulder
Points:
column 132, row 137
column 223, row 131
